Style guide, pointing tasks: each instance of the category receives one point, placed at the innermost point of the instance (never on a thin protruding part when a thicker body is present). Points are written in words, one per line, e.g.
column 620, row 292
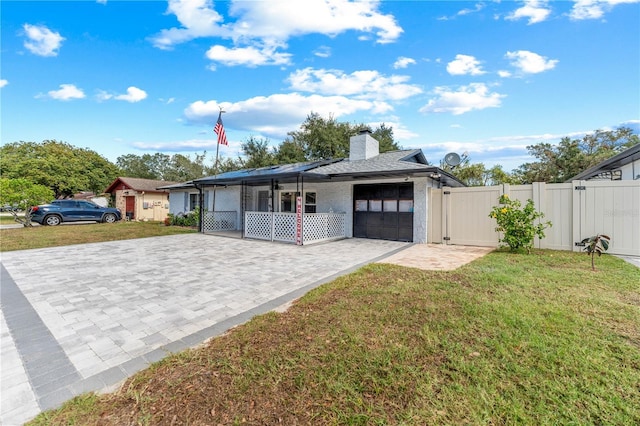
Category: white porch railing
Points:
column 316, row 227
column 220, row 221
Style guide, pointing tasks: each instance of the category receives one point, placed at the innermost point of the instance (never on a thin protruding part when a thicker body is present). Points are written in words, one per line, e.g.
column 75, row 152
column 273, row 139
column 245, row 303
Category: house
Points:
column 623, row 166
column 368, row 195
column 140, row 199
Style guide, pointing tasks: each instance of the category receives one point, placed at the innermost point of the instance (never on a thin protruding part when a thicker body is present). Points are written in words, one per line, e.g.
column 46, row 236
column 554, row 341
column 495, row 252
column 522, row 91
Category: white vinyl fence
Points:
column 577, row 210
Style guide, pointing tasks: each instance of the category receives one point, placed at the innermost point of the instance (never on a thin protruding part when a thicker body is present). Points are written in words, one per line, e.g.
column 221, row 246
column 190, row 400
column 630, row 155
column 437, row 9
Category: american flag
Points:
column 219, row 130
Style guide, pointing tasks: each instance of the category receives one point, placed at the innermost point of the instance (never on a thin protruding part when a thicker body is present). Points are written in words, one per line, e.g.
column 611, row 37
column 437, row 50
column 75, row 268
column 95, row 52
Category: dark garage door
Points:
column 383, row 211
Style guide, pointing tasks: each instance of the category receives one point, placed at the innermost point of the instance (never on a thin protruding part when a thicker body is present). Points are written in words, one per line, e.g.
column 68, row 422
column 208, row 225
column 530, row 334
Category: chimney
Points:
column 363, row 146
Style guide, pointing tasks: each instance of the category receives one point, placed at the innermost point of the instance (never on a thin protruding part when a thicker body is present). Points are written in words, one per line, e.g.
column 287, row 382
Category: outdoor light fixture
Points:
column 435, row 175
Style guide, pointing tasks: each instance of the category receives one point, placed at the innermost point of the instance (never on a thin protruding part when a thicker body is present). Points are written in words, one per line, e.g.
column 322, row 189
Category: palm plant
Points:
column 596, row 244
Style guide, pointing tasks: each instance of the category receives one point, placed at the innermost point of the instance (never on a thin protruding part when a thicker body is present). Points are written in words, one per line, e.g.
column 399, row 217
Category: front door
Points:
column 130, row 207
column 383, row 211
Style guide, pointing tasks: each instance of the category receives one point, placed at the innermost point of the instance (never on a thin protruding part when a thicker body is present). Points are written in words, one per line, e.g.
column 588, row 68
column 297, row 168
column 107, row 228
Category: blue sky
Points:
column 487, row 78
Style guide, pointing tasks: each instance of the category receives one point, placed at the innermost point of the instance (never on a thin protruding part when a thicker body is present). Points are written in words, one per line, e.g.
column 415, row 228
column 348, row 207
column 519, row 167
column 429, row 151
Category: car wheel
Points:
column 52, row 220
column 109, row 218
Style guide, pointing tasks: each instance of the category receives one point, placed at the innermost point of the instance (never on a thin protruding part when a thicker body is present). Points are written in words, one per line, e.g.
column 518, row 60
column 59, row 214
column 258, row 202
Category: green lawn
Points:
column 62, row 235
column 509, row 339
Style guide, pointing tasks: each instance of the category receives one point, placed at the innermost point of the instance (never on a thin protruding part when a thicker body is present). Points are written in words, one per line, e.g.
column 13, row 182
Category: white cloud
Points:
column 359, row 84
column 188, row 145
column 67, row 92
column 198, row 19
column 278, row 114
column 594, row 9
column 403, row 62
column 504, row 73
column 281, row 20
column 478, row 7
column 323, row 52
column 475, row 96
column 133, row 95
column 535, row 10
column 41, row 40
column 529, row 62
column 464, row 65
column 3, row 83
column 260, row 25
column 250, row 56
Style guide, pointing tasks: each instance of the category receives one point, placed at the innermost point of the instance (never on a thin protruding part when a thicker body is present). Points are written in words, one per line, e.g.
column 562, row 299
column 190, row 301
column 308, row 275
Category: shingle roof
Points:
column 277, row 171
column 615, row 162
column 386, row 162
column 137, row 184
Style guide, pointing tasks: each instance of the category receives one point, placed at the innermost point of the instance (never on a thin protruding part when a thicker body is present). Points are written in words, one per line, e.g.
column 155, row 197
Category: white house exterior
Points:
column 623, row 166
column 368, row 195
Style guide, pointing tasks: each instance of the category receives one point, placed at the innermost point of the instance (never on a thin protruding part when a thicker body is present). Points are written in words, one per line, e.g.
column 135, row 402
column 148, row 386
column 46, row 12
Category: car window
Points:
column 65, row 203
column 86, row 205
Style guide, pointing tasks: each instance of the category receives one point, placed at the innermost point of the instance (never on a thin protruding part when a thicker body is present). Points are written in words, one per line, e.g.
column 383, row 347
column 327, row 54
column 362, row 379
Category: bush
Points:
column 190, row 219
column 518, row 224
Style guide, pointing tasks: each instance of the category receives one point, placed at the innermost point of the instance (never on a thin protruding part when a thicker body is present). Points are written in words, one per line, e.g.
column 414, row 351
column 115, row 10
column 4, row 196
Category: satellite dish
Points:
column 452, row 159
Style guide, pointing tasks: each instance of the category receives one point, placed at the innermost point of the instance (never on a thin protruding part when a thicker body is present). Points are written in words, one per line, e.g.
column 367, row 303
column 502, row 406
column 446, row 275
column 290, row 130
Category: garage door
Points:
column 383, row 211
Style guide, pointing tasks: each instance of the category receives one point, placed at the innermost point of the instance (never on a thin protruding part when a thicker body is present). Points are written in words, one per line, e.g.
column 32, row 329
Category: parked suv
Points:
column 59, row 211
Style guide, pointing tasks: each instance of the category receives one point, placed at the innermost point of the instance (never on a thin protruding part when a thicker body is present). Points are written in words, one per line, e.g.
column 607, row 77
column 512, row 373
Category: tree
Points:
column 289, row 152
column 570, row 157
column 257, row 153
column 182, row 168
column 22, row 194
column 477, row 174
column 322, row 138
column 384, row 135
column 57, row 165
column 225, row 164
column 158, row 166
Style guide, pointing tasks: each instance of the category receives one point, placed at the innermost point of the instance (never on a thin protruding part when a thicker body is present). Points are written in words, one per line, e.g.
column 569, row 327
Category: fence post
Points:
column 540, row 204
column 506, row 190
column 445, row 205
column 577, row 208
column 273, row 224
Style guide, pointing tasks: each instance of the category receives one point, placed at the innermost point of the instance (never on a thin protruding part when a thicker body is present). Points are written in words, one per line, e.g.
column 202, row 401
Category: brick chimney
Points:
column 363, row 146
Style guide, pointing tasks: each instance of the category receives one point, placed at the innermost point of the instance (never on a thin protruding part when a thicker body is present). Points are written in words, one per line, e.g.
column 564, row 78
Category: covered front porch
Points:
column 286, row 227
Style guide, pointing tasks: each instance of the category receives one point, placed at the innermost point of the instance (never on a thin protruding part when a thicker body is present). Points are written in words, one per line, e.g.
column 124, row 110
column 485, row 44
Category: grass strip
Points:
column 63, row 235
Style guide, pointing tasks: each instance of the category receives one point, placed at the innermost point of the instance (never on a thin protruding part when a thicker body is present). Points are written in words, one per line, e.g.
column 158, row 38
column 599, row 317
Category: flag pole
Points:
column 220, row 132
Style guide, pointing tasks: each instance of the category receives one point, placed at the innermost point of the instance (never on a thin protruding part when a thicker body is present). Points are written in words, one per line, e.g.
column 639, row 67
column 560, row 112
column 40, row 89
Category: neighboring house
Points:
column 368, row 195
column 140, row 199
column 623, row 166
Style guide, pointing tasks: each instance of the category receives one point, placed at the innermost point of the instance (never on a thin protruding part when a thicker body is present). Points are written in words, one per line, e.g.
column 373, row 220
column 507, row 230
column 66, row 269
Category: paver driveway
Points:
column 85, row 317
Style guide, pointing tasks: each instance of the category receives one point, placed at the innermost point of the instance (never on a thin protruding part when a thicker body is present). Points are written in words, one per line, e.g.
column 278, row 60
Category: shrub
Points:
column 596, row 244
column 190, row 219
column 517, row 223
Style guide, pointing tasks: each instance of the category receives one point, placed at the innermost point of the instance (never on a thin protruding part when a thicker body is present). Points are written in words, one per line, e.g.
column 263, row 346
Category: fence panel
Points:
column 611, row 208
column 467, row 220
column 576, row 210
column 220, row 221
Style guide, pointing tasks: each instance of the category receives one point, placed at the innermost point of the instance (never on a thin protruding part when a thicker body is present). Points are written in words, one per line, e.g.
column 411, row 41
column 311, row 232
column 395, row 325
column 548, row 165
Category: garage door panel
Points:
column 378, row 211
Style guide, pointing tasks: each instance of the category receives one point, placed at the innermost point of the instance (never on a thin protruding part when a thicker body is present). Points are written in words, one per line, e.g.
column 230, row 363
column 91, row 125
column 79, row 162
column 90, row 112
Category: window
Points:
column 263, row 201
column 288, row 201
column 194, row 201
column 309, row 202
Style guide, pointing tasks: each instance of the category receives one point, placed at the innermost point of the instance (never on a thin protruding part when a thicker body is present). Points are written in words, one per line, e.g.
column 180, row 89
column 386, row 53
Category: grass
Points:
column 509, row 339
column 54, row 236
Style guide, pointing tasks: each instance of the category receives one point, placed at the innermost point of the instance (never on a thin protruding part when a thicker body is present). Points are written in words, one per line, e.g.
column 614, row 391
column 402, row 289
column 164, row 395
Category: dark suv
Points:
column 59, row 211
